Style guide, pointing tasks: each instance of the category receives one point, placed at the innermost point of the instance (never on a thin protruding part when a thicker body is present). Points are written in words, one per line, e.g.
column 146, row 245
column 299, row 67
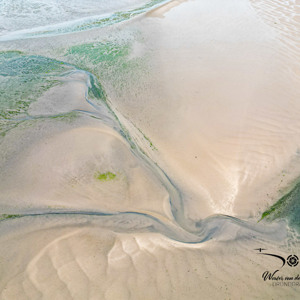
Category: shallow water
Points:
column 76, row 17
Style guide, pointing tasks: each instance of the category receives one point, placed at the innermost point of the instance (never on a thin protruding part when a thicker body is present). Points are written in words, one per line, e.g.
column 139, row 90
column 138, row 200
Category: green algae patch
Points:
column 6, row 216
column 9, row 54
column 105, row 176
column 23, row 79
column 274, row 211
column 106, row 60
column 287, row 207
column 150, row 143
column 110, row 61
column 148, row 140
column 67, row 117
column 99, row 52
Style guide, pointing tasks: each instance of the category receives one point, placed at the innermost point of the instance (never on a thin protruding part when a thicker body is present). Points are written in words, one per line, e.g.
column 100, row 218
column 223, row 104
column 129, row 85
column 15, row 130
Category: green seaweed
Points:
column 103, row 59
column 111, row 63
column 7, row 216
column 275, row 210
column 287, row 207
column 150, row 142
column 108, row 59
column 99, row 52
column 23, row 79
column 67, row 117
column 105, row 176
column 96, row 90
column 9, row 54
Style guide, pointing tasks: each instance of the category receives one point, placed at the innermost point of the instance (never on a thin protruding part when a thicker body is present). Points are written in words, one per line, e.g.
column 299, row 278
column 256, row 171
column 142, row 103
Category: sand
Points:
column 76, row 258
column 231, row 123
column 150, row 184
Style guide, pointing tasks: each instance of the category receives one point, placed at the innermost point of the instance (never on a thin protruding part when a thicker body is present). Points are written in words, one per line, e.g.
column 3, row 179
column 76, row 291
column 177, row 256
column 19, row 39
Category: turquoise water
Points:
column 287, row 207
column 82, row 23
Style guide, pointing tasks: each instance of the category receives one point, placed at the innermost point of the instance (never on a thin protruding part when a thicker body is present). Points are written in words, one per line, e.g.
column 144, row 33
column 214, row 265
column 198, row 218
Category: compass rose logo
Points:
column 293, row 260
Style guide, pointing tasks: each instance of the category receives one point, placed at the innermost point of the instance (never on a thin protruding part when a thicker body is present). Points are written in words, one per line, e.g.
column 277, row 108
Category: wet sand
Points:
column 150, row 183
